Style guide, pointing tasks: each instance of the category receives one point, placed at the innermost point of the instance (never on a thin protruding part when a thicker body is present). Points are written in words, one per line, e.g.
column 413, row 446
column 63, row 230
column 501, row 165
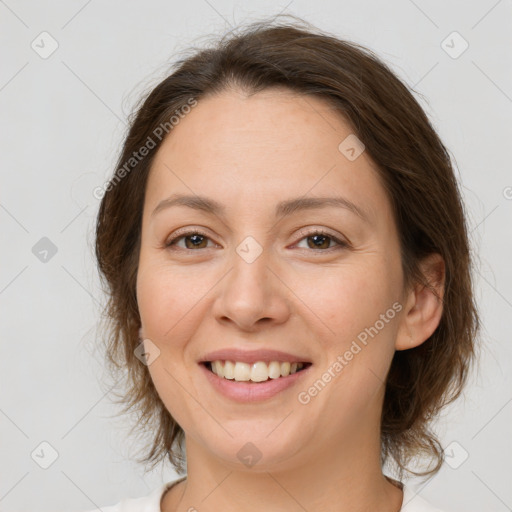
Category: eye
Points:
column 197, row 240
column 321, row 240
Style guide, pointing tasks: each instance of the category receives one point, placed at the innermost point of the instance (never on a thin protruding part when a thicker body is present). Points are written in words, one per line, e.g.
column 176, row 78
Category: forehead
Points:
column 259, row 148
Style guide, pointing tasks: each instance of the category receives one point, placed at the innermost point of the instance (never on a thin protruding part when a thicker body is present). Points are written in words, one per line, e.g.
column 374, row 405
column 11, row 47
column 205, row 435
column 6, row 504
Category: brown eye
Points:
column 320, row 240
column 193, row 240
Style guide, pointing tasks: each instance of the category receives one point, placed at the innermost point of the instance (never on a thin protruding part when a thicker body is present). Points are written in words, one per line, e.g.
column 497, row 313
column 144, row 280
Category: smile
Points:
column 236, row 381
column 259, row 371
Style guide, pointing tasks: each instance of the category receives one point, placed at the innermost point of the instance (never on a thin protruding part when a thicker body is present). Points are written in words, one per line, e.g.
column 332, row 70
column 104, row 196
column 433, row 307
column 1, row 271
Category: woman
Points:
column 287, row 260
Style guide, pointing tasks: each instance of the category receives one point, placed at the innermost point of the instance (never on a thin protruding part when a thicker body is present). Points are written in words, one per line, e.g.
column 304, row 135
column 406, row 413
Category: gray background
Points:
column 63, row 118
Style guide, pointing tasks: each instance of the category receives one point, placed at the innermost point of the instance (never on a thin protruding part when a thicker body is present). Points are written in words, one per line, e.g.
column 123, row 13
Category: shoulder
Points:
column 413, row 502
column 149, row 503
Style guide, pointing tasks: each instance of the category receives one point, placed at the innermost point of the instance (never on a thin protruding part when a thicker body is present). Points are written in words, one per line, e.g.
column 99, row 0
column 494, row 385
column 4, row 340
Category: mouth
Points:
column 254, row 373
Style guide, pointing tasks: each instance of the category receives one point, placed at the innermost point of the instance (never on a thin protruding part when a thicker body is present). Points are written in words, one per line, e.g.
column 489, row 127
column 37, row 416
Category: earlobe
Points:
column 424, row 305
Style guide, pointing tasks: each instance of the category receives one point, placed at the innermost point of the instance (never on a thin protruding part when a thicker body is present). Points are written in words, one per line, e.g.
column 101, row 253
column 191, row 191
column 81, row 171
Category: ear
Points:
column 423, row 310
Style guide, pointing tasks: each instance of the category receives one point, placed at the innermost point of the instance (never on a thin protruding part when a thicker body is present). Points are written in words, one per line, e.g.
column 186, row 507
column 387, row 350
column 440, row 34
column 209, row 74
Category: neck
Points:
column 343, row 480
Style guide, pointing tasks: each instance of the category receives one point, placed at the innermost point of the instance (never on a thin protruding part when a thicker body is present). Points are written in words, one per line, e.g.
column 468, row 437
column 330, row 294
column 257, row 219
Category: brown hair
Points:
column 413, row 165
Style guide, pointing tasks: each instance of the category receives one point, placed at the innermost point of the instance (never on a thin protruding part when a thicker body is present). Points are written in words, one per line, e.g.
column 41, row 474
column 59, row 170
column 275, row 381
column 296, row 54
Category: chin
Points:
column 257, row 450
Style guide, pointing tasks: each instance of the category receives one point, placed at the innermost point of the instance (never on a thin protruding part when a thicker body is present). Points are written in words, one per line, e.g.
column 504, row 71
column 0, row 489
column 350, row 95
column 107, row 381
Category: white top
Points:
column 412, row 502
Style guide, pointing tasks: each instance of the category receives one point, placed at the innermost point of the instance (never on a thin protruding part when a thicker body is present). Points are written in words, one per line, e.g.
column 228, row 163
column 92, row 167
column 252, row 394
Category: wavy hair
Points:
column 414, row 167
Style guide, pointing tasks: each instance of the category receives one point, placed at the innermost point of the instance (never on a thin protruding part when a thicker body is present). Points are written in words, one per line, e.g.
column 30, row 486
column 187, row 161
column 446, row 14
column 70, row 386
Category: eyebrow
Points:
column 283, row 208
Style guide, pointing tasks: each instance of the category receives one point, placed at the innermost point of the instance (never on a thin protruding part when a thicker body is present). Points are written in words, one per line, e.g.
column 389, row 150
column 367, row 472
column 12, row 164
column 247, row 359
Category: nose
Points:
column 252, row 295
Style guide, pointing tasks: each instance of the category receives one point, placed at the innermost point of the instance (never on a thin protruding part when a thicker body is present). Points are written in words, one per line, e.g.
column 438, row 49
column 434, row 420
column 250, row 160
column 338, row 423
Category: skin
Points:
column 249, row 153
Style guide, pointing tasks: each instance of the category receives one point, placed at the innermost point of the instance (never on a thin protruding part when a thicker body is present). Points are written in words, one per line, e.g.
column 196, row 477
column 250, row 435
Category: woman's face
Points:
column 260, row 276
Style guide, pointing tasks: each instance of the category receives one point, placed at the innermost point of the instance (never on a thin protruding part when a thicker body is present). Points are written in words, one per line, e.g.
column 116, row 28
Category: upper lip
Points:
column 251, row 356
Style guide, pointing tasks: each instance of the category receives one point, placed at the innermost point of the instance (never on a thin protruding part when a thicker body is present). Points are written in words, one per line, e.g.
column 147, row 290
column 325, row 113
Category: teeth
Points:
column 256, row 372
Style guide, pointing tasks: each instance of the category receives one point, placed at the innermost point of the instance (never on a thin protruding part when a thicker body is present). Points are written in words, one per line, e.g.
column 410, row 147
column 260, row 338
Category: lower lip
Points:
column 251, row 391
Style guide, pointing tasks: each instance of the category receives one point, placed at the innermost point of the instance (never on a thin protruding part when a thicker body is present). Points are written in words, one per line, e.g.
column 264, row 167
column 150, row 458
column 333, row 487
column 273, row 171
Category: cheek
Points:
column 166, row 307
column 347, row 299
column 164, row 298
column 355, row 304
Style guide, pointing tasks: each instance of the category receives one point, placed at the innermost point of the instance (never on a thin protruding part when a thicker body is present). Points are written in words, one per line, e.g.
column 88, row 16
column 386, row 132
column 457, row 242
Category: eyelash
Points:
column 341, row 244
